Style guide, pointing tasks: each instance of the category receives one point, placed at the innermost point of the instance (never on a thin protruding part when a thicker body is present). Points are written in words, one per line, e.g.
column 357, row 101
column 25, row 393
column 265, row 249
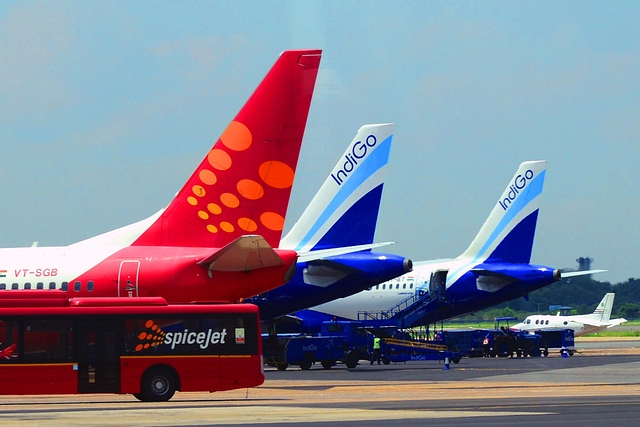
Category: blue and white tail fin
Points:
column 507, row 234
column 344, row 212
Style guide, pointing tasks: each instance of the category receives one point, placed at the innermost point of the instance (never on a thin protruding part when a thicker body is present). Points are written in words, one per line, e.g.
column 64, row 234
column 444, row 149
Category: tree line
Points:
column 582, row 294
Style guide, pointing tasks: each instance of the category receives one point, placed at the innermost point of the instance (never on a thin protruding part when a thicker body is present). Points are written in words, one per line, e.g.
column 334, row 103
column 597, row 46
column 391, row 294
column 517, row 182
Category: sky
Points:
column 106, row 108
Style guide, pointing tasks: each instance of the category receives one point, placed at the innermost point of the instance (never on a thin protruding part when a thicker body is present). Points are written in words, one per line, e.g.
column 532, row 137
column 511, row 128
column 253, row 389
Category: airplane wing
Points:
column 565, row 274
column 324, row 253
column 246, row 253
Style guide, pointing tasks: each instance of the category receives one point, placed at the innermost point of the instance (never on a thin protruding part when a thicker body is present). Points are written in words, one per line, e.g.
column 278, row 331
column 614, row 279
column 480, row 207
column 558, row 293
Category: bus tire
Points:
column 158, row 385
column 282, row 366
column 386, row 360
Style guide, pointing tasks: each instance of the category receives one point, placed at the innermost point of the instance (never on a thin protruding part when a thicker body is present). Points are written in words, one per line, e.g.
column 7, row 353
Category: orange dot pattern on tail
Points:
column 220, row 166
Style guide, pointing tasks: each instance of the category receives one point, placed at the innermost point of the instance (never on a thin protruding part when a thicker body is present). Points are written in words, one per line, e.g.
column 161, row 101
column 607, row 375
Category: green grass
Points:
column 615, row 334
column 490, row 325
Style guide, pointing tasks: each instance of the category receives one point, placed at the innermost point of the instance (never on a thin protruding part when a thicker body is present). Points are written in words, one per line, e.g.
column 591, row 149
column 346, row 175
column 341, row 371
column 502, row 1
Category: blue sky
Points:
column 106, row 108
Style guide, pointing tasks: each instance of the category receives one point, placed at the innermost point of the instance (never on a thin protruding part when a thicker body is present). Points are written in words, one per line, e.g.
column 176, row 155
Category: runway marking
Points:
column 246, row 415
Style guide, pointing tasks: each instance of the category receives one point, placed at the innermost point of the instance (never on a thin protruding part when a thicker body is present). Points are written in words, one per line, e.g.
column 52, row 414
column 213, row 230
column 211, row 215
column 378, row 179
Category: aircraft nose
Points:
column 407, row 265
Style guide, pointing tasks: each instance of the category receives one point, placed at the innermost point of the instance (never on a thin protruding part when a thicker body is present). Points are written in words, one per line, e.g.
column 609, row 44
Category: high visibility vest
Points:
column 376, row 343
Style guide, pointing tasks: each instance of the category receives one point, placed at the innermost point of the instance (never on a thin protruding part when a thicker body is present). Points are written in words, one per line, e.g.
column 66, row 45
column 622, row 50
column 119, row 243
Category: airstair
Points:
column 413, row 310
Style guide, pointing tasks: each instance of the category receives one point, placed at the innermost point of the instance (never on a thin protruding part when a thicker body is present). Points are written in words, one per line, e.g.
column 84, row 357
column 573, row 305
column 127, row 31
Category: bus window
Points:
column 47, row 340
column 8, row 340
column 224, row 335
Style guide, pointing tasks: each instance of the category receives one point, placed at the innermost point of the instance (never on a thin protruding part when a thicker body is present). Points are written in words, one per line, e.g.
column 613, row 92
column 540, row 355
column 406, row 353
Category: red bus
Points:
column 142, row 346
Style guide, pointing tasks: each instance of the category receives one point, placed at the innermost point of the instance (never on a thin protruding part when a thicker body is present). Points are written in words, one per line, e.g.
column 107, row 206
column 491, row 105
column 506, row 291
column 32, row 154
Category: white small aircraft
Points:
column 581, row 324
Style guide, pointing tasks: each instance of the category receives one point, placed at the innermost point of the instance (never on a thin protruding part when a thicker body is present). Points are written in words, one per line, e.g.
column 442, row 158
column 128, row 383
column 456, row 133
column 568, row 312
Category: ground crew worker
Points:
column 487, row 347
column 376, row 351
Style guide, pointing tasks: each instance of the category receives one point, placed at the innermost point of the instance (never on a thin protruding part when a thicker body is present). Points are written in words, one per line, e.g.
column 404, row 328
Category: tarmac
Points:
column 597, row 386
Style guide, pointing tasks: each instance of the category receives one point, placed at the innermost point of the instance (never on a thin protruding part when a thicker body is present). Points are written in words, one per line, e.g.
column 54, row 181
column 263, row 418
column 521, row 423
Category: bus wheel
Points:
column 158, row 385
column 282, row 366
column 386, row 360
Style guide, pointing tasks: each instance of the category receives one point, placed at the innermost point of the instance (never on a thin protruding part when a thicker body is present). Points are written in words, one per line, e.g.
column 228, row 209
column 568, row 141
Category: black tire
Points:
column 503, row 348
column 158, row 385
column 535, row 352
column 386, row 360
column 352, row 359
column 456, row 359
column 305, row 365
column 327, row 364
column 546, row 352
column 282, row 366
column 307, row 361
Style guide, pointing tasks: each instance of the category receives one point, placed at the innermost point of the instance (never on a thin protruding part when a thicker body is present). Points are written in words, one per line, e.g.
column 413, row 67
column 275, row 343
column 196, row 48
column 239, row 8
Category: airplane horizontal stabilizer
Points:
column 566, row 274
column 491, row 281
column 246, row 253
column 616, row 322
column 593, row 323
column 324, row 253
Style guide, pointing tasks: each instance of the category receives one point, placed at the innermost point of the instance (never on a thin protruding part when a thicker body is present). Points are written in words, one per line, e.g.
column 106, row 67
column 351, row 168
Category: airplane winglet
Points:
column 246, row 253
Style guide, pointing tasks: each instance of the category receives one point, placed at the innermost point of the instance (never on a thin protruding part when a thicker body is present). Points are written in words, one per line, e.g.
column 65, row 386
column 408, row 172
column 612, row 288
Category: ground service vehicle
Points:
column 345, row 342
column 502, row 341
column 55, row 345
column 348, row 342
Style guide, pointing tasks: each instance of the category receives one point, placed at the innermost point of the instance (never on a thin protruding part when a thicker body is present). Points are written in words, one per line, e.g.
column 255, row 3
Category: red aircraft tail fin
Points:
column 243, row 184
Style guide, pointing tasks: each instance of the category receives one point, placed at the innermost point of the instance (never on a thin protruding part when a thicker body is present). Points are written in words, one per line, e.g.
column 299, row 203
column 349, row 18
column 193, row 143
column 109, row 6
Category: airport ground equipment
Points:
column 507, row 342
column 504, row 342
column 557, row 340
column 402, row 350
column 345, row 342
column 348, row 342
